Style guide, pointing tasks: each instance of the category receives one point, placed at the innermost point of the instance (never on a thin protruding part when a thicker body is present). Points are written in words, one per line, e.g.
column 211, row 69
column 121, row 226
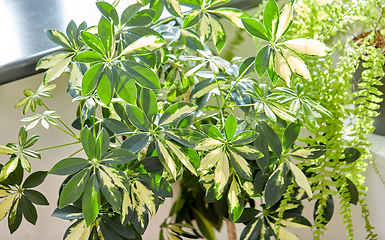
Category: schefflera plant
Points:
column 145, row 120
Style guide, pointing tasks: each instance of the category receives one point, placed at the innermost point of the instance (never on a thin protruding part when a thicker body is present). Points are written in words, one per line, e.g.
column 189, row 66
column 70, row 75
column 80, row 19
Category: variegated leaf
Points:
column 75, row 231
column 182, row 157
column 221, row 174
column 296, row 64
column 285, row 18
column 5, row 206
column 208, row 144
column 145, row 196
column 308, row 46
column 166, row 159
column 282, row 68
column 144, row 45
column 300, row 179
column 235, row 201
column 211, row 158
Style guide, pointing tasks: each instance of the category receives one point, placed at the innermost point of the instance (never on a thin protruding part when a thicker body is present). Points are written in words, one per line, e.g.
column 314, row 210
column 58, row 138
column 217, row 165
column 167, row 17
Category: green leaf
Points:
column 5, row 206
column 295, row 220
column 68, row 166
column 204, row 225
column 88, row 142
column 270, row 17
column 8, row 168
column 142, row 18
column 271, row 137
column 118, row 176
column 166, row 159
column 311, row 152
column 93, row 42
column 157, row 6
column 116, row 126
column 58, row 38
column 68, row 213
column 110, row 191
column 230, row 126
column 108, row 233
column 91, row 78
column 129, row 13
column 327, row 209
column 36, row 197
column 55, row 71
column 300, row 179
column 106, row 86
column 173, row 7
column 137, row 117
column 88, row 57
column 177, row 111
column 248, row 214
column 255, row 28
column 192, row 19
column 234, row 15
column 144, row 76
column 91, row 200
column 136, row 142
column 15, row 216
column 218, row 33
column 125, row 86
column 212, row 131
column 149, row 104
column 35, row 179
column 149, row 164
column 290, row 135
column 118, row 156
column 108, row 11
column 106, row 34
column 262, row 60
column 276, row 185
column 74, row 188
column 114, row 223
column 236, row 204
column 28, row 209
column 351, row 155
column 144, row 45
column 353, row 191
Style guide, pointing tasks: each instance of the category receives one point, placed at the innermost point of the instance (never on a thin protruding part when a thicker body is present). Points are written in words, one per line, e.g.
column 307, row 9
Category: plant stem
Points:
column 231, row 232
column 57, row 146
column 72, row 135
column 220, row 91
column 221, row 111
column 69, row 129
column 238, row 79
column 75, row 152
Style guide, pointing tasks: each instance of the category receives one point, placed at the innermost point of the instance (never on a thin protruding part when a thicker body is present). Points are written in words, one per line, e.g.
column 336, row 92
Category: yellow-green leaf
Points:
column 145, row 197
column 9, row 167
column 6, row 150
column 242, row 163
column 182, row 157
column 76, row 230
column 52, row 60
column 300, row 179
column 221, row 173
column 144, row 45
column 308, row 46
column 169, row 163
column 55, row 71
column 208, row 144
column 285, row 18
column 281, row 68
column 211, row 158
column 5, row 206
column 296, row 64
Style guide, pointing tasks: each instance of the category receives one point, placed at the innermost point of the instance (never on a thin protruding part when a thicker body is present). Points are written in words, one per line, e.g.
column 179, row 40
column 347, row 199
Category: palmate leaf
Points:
column 300, row 179
column 142, row 75
column 144, row 46
column 166, row 159
column 233, row 15
column 137, row 117
column 91, row 200
column 270, row 18
column 149, row 104
column 176, row 111
column 252, row 230
column 185, row 161
column 135, row 142
column 235, row 201
column 308, row 46
column 68, row 166
column 74, row 188
column 5, row 206
column 14, row 216
column 255, row 28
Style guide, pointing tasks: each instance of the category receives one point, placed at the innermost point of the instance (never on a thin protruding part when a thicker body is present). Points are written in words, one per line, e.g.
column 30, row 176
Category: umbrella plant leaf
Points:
column 36, row 197
column 91, row 200
column 118, row 156
column 144, row 76
column 110, row 191
column 262, row 60
column 129, row 13
column 149, row 104
column 135, row 142
column 176, row 111
column 68, row 166
column 276, row 185
column 290, row 135
column 300, row 179
column 230, row 126
column 28, row 209
column 74, row 188
column 91, row 78
column 255, row 28
column 137, row 117
column 93, row 42
column 35, row 179
column 15, row 216
column 270, row 17
column 88, row 142
column 108, row 11
column 116, row 126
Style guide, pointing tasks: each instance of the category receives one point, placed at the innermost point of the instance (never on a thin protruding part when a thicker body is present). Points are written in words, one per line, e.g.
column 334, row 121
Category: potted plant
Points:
column 156, row 105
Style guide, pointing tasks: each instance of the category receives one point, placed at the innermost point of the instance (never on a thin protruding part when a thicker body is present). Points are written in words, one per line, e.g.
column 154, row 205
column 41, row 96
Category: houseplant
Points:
column 145, row 119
